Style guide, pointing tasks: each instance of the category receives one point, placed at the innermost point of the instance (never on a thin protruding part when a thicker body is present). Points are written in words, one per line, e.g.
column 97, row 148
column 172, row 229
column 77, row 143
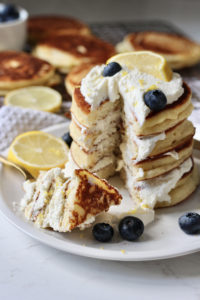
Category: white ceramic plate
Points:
column 161, row 239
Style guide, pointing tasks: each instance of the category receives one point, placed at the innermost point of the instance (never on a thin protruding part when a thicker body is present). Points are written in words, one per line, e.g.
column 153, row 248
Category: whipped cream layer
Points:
column 96, row 88
column 131, row 85
column 145, row 145
column 157, row 189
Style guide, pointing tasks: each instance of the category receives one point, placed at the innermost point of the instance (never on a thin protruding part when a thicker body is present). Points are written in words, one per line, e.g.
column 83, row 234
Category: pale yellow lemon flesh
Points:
column 146, row 62
column 37, row 150
column 35, row 97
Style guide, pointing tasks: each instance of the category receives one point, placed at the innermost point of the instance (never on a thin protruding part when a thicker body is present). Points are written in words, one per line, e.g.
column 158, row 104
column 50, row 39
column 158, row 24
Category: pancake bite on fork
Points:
column 63, row 203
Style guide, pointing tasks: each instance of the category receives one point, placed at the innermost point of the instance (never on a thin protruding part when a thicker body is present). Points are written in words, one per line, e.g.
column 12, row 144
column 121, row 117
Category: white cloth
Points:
column 15, row 120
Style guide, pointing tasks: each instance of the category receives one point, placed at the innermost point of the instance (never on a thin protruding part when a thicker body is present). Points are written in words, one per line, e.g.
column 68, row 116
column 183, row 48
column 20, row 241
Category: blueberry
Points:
column 131, row 228
column 155, row 100
column 190, row 222
column 103, row 232
column 67, row 138
column 10, row 12
column 111, row 69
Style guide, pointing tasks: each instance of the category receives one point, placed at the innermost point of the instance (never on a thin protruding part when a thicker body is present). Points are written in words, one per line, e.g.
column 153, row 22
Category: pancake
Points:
column 73, row 79
column 54, row 80
column 105, row 168
column 68, row 51
column 159, row 165
column 43, row 26
column 183, row 189
column 167, row 141
column 82, row 110
column 18, row 69
column 165, row 190
column 95, row 138
column 179, row 51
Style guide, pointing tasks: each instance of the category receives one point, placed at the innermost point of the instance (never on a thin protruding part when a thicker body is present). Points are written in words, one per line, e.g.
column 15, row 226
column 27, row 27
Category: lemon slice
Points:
column 35, row 97
column 37, row 150
column 145, row 61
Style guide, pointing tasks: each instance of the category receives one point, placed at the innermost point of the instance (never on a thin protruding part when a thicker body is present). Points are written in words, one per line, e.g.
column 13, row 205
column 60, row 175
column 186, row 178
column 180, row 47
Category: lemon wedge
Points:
column 37, row 150
column 145, row 61
column 35, row 97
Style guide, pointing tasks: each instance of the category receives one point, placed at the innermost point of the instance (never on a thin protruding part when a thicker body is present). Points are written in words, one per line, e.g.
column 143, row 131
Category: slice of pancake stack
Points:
column 114, row 129
column 19, row 69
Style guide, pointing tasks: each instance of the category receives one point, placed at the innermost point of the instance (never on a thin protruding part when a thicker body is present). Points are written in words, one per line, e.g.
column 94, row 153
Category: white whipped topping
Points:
column 131, row 85
column 129, row 208
column 173, row 154
column 97, row 88
column 145, row 145
column 157, row 189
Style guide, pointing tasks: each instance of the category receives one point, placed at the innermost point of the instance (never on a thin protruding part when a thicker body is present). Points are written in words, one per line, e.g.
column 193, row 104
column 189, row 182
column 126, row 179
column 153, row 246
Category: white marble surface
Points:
column 30, row 270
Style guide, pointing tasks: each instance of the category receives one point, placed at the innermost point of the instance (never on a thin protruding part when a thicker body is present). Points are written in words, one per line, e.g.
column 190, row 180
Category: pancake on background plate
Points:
column 179, row 51
column 43, row 26
column 75, row 76
column 70, row 50
column 19, row 69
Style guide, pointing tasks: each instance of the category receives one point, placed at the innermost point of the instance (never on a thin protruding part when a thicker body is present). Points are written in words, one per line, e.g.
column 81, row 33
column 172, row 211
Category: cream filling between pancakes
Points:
column 157, row 189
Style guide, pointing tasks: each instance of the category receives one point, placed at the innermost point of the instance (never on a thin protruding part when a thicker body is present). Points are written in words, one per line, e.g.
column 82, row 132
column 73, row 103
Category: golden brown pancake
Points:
column 161, row 164
column 74, row 77
column 43, row 26
column 70, row 50
column 19, row 69
column 178, row 50
column 183, row 189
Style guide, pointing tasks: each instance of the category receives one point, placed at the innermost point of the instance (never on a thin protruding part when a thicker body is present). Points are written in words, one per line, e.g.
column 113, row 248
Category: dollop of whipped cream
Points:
column 96, row 88
column 131, row 85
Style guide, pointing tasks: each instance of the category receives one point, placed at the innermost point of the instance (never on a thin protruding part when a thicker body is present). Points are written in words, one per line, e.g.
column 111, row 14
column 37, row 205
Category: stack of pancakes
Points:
column 19, row 69
column 178, row 50
column 106, row 139
column 170, row 160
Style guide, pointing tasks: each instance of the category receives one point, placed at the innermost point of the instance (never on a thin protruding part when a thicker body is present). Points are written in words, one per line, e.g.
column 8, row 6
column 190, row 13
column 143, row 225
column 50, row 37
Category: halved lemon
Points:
column 145, row 61
column 35, row 97
column 37, row 150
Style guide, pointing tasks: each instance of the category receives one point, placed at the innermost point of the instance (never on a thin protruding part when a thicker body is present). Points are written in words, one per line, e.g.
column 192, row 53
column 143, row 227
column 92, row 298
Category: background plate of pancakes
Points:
column 161, row 239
